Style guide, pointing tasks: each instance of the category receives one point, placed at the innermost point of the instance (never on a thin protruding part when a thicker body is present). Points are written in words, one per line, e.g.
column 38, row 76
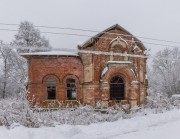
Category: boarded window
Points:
column 70, row 89
column 51, row 88
column 116, row 88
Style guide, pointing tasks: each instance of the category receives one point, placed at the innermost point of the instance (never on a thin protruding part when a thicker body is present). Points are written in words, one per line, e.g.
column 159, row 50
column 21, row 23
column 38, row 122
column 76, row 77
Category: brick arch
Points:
column 50, row 75
column 118, row 42
column 79, row 96
column 43, row 95
column 70, row 76
column 125, row 73
column 117, row 75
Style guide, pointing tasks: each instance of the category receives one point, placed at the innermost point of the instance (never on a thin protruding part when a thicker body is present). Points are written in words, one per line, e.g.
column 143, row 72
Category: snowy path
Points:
column 156, row 126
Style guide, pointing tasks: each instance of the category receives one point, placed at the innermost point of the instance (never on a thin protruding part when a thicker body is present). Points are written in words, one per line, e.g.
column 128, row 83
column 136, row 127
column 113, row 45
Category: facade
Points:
column 97, row 72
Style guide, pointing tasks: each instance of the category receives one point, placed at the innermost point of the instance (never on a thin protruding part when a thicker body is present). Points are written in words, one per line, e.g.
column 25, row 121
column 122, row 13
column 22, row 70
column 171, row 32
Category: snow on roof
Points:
column 119, row 62
column 51, row 53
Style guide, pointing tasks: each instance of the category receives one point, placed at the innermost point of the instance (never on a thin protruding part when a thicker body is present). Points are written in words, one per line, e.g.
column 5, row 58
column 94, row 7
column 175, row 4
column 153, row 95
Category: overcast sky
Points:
column 149, row 18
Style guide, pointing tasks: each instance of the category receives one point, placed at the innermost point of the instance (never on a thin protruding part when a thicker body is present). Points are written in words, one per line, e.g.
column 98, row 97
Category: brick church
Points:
column 86, row 76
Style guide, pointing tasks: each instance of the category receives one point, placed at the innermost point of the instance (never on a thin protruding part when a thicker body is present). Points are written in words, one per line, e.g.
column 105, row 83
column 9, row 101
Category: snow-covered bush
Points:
column 17, row 112
column 175, row 100
column 158, row 102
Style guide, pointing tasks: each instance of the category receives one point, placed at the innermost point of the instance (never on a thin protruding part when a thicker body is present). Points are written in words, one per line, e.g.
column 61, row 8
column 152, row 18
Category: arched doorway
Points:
column 117, row 88
column 71, row 89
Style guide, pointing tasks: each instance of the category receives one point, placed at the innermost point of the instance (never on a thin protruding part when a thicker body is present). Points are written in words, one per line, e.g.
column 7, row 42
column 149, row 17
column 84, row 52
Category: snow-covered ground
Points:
column 153, row 126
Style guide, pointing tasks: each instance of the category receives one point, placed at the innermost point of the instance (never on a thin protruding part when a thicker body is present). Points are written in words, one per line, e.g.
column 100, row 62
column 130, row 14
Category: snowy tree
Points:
column 165, row 75
column 28, row 39
column 18, row 79
column 6, row 67
column 28, row 36
column 13, row 71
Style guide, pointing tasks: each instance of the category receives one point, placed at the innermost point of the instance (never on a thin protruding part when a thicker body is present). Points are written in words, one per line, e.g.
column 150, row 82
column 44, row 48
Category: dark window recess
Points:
column 71, row 89
column 116, row 88
column 51, row 88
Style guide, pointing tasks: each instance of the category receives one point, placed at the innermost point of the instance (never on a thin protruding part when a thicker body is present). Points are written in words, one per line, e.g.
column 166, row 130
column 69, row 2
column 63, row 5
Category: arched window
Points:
column 116, row 88
column 51, row 88
column 70, row 89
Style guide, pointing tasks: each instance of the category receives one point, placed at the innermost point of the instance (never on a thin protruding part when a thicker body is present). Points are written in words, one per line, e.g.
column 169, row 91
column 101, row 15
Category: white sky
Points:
column 149, row 18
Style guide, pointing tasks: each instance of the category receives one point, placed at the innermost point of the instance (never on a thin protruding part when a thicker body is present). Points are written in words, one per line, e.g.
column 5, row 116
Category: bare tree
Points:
column 4, row 53
column 13, row 71
column 13, row 67
column 28, row 36
column 165, row 74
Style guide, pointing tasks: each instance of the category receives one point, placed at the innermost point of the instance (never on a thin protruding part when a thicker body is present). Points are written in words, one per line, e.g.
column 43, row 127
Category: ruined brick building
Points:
column 67, row 76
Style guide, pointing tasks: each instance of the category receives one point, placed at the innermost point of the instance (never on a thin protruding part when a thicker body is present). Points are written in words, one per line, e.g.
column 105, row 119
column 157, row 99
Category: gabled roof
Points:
column 116, row 26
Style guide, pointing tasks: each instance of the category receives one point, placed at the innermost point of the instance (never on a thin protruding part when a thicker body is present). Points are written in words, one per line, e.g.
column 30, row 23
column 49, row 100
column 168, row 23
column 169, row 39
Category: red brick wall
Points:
column 40, row 68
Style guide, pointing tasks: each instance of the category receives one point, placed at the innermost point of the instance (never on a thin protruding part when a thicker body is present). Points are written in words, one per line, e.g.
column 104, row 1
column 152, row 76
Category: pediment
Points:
column 91, row 41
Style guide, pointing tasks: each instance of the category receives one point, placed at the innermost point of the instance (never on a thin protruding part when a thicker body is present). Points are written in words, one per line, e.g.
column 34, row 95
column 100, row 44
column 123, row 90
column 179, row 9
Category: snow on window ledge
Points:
column 119, row 62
